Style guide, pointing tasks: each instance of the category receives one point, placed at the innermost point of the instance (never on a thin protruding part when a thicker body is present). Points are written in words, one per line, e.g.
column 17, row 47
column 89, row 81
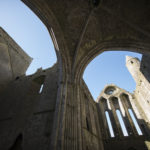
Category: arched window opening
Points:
column 110, row 68
column 135, row 122
column 123, row 127
column 126, row 100
column 115, row 101
column 110, row 90
column 104, row 103
column 111, row 131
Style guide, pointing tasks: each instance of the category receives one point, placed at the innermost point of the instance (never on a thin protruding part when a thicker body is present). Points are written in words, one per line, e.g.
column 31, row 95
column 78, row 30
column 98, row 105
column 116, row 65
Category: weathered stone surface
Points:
column 13, row 60
column 64, row 115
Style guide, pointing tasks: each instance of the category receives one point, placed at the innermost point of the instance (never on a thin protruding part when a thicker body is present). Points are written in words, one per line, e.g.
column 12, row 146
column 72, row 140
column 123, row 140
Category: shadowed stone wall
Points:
column 27, row 112
column 13, row 60
column 91, row 132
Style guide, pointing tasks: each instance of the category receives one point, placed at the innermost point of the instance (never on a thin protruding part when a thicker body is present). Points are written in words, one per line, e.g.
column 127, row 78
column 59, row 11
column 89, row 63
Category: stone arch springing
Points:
column 130, row 46
column 110, row 73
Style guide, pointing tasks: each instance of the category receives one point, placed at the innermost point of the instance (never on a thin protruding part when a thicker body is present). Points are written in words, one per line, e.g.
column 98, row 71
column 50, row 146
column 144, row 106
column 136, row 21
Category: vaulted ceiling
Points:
column 85, row 28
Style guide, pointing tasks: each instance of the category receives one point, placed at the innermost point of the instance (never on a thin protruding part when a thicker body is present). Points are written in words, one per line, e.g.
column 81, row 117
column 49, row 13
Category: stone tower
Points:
column 142, row 89
column 133, row 65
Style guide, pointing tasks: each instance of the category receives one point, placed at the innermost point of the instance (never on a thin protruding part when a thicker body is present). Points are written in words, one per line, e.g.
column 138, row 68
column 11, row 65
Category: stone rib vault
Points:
column 64, row 116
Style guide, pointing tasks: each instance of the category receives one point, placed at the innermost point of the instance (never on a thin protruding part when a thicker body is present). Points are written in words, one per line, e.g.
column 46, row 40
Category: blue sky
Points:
column 109, row 68
column 31, row 34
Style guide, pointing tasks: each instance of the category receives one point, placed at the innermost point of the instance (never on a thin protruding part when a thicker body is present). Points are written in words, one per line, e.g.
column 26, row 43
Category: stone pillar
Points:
column 130, row 125
column 114, row 103
column 140, row 115
column 71, row 124
column 125, row 117
column 103, row 107
column 69, row 129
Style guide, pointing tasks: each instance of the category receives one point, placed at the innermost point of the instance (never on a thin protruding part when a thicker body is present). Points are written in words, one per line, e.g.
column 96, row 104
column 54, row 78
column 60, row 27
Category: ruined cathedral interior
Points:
column 53, row 109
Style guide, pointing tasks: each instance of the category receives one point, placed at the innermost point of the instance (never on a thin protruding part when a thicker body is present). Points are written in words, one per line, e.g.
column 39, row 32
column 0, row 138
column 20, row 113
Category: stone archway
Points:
column 80, row 39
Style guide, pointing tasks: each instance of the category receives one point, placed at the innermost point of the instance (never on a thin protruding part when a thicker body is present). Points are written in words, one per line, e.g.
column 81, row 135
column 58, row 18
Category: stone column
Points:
column 125, row 117
column 103, row 107
column 113, row 103
column 130, row 125
column 72, row 126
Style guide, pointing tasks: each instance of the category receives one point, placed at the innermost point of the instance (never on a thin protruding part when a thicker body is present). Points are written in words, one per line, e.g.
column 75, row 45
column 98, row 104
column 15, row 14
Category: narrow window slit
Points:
column 123, row 127
column 41, row 88
column 87, row 124
column 135, row 122
column 109, row 124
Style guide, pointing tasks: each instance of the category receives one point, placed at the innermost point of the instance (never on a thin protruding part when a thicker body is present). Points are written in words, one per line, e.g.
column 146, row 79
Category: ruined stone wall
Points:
column 13, row 60
column 111, row 100
column 140, row 73
column 142, row 92
column 27, row 115
column 91, row 134
column 84, row 29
